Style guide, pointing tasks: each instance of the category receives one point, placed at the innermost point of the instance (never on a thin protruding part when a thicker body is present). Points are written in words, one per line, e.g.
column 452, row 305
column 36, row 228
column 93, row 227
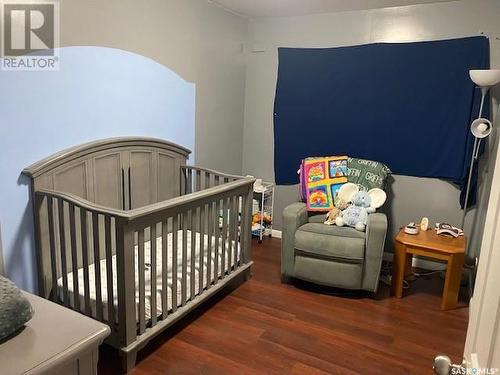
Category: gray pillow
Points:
column 15, row 309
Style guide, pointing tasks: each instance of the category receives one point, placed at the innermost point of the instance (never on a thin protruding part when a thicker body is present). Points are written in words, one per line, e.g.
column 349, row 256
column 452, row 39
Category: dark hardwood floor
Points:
column 265, row 327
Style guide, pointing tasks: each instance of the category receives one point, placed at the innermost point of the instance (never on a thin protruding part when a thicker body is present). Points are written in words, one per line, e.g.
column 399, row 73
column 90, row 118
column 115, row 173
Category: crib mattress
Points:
column 198, row 263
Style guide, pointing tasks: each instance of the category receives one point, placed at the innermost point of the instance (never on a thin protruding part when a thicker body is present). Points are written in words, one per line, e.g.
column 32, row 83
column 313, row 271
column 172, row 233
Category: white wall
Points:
column 81, row 102
column 199, row 41
column 412, row 197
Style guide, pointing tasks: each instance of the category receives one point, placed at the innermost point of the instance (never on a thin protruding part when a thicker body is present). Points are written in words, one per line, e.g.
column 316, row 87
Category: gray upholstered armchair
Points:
column 329, row 255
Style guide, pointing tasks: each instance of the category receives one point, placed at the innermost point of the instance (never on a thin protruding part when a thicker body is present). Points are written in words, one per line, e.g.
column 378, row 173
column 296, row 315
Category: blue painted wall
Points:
column 97, row 93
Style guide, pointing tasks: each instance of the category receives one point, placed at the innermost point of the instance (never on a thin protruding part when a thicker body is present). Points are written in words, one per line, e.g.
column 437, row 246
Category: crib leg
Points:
column 128, row 361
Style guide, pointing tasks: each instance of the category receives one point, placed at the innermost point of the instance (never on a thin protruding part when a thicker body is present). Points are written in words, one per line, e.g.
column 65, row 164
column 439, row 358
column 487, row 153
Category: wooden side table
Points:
column 430, row 245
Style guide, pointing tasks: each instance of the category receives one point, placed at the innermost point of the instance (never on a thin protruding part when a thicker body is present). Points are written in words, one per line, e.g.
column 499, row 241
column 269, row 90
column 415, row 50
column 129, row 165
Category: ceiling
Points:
column 285, row 8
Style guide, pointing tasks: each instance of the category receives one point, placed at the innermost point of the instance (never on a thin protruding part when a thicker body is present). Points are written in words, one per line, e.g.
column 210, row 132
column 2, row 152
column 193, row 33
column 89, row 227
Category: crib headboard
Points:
column 121, row 173
column 118, row 173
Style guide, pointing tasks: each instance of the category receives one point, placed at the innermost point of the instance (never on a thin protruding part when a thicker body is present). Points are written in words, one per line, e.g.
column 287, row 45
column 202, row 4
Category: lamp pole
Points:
column 475, row 155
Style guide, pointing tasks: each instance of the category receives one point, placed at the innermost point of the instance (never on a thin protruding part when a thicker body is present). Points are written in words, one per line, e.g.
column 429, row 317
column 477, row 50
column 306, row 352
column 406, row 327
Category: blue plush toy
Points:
column 356, row 215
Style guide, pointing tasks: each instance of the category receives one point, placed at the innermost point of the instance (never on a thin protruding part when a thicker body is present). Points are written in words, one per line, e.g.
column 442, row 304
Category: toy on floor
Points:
column 267, row 219
column 362, row 204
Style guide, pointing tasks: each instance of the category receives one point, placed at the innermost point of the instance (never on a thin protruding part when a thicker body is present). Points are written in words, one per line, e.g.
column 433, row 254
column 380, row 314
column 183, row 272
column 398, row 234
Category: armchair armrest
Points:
column 376, row 230
column 294, row 216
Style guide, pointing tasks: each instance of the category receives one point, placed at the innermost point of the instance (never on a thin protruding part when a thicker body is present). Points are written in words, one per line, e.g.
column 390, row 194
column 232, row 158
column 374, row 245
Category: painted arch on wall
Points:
column 97, row 93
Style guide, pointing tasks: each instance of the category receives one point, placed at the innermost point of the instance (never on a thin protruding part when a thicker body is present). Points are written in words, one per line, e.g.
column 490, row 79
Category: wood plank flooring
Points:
column 265, row 327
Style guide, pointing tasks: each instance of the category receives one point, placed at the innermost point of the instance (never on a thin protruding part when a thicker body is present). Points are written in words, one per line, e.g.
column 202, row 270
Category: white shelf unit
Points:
column 266, row 205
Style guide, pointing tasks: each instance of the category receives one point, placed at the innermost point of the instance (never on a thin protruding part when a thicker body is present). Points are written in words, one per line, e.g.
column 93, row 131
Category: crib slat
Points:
column 225, row 212
column 153, row 275
column 233, row 244
column 183, row 180
column 216, row 180
column 207, row 180
column 97, row 266
column 201, row 263
column 245, row 218
column 85, row 260
column 237, row 225
column 229, row 240
column 109, row 270
column 175, row 242
column 39, row 228
column 247, row 249
column 217, row 240
column 198, row 180
column 126, row 285
column 74, row 257
column 62, row 244
column 164, row 269
column 210, row 231
column 194, row 221
column 52, row 244
column 185, row 218
column 142, row 282
column 189, row 181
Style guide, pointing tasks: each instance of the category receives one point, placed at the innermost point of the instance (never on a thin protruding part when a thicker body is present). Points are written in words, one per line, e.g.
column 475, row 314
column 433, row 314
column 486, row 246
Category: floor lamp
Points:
column 481, row 127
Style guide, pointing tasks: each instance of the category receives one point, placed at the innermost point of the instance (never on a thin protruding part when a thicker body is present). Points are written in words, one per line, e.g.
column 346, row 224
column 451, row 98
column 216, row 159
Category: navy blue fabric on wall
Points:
column 408, row 105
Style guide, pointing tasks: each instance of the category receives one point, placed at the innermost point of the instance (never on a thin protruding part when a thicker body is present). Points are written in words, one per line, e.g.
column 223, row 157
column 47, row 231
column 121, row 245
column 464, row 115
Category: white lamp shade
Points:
column 481, row 128
column 486, row 77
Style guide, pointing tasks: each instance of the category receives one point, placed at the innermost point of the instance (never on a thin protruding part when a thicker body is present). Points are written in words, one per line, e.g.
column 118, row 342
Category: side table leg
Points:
column 399, row 266
column 452, row 281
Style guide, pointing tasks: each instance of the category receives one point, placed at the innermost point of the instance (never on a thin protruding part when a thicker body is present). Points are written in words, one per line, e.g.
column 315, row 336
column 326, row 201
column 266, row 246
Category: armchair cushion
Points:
column 317, row 218
column 330, row 242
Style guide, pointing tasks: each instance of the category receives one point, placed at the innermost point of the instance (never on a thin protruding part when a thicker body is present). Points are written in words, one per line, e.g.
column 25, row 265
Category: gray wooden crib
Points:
column 128, row 234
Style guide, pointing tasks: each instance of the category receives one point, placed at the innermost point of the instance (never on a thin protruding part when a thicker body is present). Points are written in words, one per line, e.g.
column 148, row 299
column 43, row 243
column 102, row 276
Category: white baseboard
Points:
column 276, row 233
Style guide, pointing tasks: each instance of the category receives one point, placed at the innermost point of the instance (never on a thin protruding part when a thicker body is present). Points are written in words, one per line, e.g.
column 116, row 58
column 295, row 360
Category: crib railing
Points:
column 75, row 234
column 195, row 179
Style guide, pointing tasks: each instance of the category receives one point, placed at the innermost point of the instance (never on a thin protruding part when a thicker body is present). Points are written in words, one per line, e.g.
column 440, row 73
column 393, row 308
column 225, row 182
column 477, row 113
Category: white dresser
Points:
column 56, row 341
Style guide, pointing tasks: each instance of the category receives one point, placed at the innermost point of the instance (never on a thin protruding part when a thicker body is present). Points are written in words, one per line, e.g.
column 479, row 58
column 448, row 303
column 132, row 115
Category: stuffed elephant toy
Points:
column 356, row 215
